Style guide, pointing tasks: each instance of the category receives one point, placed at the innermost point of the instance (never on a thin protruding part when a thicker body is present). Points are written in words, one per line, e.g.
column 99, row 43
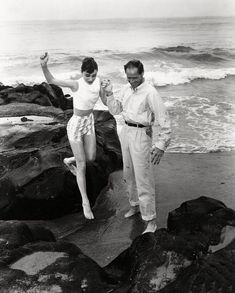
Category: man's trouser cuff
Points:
column 134, row 204
column 149, row 218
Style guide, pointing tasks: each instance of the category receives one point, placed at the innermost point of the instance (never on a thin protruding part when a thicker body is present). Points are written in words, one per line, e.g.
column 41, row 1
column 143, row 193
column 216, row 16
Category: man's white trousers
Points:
column 138, row 170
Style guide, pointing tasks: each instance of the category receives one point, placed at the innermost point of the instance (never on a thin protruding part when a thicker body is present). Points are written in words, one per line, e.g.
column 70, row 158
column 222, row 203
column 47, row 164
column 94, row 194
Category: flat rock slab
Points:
column 31, row 119
column 52, row 267
column 34, row 263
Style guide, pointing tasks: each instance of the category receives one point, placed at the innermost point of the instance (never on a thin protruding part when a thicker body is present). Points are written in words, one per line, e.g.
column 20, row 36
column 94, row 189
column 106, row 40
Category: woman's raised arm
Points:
column 72, row 84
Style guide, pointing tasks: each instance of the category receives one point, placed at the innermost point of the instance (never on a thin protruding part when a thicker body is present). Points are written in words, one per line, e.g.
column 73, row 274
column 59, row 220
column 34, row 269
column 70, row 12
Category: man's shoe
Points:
column 151, row 226
column 132, row 211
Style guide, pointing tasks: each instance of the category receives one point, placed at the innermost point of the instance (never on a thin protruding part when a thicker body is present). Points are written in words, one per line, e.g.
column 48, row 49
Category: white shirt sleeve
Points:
column 161, row 125
column 115, row 104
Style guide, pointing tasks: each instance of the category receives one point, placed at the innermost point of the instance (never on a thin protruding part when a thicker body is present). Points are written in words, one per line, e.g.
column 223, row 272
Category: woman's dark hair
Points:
column 135, row 63
column 89, row 65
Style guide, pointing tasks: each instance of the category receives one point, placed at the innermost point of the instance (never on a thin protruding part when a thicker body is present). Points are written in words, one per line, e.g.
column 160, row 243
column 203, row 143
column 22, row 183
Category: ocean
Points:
column 192, row 60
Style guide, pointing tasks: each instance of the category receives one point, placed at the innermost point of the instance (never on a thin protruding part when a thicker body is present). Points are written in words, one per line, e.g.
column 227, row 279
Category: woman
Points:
column 80, row 128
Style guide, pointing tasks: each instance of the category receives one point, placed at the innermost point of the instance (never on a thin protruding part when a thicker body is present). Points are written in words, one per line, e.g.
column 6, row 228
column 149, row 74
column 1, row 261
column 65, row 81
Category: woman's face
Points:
column 89, row 77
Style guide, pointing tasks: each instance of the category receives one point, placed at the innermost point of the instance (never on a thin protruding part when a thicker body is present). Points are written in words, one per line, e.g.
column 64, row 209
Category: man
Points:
column 144, row 138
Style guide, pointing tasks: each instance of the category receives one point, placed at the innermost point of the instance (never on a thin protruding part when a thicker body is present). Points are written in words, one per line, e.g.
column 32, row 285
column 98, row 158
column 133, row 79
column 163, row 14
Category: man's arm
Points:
column 72, row 84
column 114, row 105
column 161, row 126
column 102, row 93
column 103, row 96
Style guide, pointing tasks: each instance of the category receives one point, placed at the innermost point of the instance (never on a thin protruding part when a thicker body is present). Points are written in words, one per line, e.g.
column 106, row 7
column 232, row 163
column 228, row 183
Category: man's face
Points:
column 133, row 77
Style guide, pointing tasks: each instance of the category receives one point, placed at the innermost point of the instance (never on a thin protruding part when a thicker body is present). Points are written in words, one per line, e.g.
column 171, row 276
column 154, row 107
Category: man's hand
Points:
column 149, row 131
column 44, row 59
column 156, row 155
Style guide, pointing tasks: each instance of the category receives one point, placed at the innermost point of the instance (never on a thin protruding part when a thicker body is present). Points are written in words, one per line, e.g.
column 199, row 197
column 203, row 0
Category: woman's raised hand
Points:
column 107, row 86
column 44, row 59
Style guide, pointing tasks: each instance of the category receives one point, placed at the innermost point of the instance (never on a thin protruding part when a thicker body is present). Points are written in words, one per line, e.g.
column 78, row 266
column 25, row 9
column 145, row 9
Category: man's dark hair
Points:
column 89, row 65
column 135, row 63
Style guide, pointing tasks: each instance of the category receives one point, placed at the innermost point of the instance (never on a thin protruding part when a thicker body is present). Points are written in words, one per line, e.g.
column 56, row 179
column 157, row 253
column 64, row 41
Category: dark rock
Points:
column 32, row 161
column 212, row 273
column 12, row 96
column 40, row 233
column 154, row 260
column 107, row 140
column 34, row 136
column 51, row 267
column 202, row 216
column 24, row 119
column 180, row 260
column 43, row 94
column 35, row 184
column 3, row 87
column 8, row 191
column 55, row 95
column 14, row 234
column 32, row 261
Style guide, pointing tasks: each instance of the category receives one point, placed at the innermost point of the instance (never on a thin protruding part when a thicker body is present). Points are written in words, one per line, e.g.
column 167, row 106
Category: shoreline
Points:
column 179, row 177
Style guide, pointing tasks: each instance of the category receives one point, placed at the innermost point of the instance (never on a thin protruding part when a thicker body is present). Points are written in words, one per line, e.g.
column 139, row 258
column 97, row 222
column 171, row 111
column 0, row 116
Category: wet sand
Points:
column 179, row 177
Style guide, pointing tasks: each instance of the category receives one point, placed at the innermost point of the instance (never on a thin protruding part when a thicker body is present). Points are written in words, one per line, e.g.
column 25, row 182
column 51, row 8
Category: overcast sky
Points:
column 90, row 9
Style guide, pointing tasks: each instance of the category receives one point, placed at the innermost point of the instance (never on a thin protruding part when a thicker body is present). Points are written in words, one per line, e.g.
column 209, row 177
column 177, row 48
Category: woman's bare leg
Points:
column 80, row 157
column 71, row 165
column 89, row 142
column 90, row 147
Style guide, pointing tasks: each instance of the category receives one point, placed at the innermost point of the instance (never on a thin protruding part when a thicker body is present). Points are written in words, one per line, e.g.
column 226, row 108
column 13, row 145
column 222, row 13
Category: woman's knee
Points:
column 81, row 165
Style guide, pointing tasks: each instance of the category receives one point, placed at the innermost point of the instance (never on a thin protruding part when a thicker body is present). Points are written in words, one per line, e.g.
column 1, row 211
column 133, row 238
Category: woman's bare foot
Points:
column 87, row 211
column 70, row 163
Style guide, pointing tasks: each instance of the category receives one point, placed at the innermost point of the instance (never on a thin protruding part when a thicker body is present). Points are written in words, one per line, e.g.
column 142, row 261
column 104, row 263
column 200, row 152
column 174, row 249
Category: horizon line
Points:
column 119, row 18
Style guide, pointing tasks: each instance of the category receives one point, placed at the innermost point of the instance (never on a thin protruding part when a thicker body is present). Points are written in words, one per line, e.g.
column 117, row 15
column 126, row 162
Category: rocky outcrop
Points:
column 15, row 234
column 202, row 217
column 42, row 94
column 30, row 263
column 180, row 259
column 210, row 273
column 31, row 260
column 34, row 183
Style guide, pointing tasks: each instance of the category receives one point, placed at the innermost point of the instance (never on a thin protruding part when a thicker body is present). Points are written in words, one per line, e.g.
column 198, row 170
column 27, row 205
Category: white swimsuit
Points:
column 84, row 99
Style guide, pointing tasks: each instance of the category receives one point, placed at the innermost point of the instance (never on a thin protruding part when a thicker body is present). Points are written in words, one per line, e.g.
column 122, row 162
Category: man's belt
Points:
column 135, row 124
